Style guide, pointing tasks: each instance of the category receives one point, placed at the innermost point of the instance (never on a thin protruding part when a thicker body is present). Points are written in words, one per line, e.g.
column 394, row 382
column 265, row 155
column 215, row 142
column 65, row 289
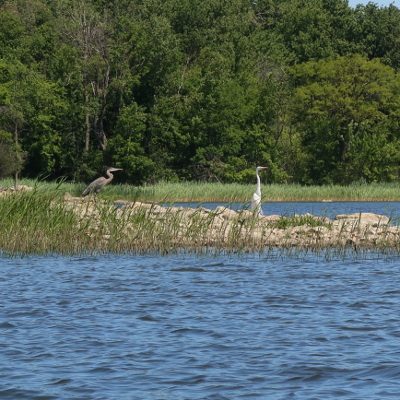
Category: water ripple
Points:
column 186, row 327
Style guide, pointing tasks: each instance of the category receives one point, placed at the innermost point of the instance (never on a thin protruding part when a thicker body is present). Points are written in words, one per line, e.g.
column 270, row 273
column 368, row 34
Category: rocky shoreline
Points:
column 188, row 227
column 124, row 226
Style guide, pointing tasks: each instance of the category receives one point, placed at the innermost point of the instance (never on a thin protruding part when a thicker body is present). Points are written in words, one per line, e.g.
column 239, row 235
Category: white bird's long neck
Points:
column 258, row 190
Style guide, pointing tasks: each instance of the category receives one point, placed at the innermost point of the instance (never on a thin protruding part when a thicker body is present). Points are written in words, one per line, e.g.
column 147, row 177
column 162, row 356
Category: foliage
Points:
column 202, row 89
column 346, row 111
column 301, row 220
column 10, row 159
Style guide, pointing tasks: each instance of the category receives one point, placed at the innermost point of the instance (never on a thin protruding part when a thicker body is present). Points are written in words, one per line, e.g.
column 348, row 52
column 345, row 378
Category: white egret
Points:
column 256, row 198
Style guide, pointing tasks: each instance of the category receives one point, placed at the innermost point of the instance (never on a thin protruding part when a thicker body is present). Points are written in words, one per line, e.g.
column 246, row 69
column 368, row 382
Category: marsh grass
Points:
column 35, row 222
column 42, row 221
column 231, row 193
column 165, row 192
column 32, row 223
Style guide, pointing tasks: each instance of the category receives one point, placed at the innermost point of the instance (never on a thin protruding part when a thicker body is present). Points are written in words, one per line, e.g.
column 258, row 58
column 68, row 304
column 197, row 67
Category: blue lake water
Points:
column 211, row 327
column 328, row 209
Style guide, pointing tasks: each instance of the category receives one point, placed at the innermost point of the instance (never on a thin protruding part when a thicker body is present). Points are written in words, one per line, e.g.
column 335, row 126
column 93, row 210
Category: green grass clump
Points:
column 301, row 220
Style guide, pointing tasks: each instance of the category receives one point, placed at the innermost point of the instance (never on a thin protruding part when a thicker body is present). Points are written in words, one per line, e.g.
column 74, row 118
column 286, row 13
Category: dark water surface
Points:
column 186, row 327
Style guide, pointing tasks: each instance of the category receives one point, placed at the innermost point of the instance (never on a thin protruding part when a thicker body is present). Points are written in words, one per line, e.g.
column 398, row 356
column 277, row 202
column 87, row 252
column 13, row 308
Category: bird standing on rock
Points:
column 99, row 183
column 256, row 198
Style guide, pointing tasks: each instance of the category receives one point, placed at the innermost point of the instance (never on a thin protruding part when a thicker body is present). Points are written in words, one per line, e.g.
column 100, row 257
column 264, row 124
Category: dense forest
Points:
column 200, row 90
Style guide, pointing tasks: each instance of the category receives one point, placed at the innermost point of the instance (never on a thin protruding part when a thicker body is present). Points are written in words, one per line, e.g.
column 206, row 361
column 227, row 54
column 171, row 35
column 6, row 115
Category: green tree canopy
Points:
column 338, row 105
column 202, row 89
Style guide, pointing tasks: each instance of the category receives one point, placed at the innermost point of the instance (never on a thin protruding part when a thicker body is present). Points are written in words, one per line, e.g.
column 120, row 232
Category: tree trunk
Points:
column 87, row 123
column 16, row 174
column 101, row 91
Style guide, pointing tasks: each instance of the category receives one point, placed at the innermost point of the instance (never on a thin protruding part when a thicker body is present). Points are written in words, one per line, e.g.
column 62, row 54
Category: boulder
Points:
column 364, row 219
column 226, row 213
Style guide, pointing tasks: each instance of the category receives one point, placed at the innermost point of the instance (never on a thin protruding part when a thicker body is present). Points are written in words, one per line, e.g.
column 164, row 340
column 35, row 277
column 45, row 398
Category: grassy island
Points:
column 48, row 219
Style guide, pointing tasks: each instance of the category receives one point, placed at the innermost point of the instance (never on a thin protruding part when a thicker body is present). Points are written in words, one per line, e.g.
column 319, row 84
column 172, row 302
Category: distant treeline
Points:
column 179, row 90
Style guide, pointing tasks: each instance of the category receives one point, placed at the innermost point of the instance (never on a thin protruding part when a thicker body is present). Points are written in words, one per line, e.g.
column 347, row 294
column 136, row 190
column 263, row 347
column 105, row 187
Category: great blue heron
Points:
column 99, row 183
column 256, row 198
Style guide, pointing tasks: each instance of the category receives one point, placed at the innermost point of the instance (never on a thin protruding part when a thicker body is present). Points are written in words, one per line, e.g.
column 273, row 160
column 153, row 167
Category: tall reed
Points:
column 228, row 193
column 31, row 223
column 43, row 222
